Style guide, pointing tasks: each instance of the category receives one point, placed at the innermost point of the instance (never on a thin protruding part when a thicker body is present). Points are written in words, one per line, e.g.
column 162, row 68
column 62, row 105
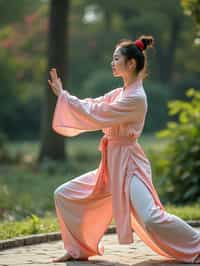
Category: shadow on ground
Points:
column 143, row 263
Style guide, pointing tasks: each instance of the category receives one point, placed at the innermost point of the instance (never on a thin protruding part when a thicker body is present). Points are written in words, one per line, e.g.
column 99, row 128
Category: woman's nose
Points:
column 111, row 63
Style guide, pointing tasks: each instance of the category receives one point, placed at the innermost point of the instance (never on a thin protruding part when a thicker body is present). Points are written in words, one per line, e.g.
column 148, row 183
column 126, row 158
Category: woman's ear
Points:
column 132, row 64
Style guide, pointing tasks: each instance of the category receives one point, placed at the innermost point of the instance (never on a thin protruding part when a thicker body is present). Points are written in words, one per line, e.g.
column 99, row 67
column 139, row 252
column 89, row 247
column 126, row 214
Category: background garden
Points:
column 33, row 159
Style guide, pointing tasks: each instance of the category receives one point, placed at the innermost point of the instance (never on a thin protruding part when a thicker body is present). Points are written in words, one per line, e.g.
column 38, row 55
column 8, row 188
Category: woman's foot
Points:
column 197, row 259
column 64, row 258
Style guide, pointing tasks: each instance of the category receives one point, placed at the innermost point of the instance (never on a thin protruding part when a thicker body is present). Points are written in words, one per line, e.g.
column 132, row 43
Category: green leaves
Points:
column 183, row 151
column 28, row 226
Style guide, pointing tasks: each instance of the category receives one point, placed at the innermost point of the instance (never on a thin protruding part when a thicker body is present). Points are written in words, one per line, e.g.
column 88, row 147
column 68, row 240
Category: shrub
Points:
column 181, row 158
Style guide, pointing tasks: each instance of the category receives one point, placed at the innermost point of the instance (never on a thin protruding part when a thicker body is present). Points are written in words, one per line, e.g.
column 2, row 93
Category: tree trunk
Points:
column 166, row 58
column 53, row 145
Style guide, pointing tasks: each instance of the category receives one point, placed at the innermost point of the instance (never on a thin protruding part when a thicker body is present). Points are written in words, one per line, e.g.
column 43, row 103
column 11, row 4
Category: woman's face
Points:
column 120, row 67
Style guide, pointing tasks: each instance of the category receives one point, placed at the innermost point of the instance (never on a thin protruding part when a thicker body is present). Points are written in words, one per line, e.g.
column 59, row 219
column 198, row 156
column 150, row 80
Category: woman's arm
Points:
column 73, row 116
column 107, row 97
column 56, row 86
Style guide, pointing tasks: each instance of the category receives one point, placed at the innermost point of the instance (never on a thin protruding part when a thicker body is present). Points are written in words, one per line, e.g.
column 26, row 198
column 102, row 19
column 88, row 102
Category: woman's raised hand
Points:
column 55, row 82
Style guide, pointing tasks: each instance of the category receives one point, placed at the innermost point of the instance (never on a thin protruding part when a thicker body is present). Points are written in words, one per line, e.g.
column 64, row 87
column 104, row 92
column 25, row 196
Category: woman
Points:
column 121, row 187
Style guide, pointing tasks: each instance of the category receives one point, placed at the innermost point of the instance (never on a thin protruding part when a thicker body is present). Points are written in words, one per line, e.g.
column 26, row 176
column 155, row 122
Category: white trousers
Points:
column 176, row 234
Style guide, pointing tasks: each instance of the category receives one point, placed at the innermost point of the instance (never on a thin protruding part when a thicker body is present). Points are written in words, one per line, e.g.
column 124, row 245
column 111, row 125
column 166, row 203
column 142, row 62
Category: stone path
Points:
column 136, row 254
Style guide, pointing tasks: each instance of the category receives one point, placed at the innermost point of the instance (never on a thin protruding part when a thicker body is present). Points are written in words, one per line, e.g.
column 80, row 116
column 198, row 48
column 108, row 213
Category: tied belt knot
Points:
column 118, row 140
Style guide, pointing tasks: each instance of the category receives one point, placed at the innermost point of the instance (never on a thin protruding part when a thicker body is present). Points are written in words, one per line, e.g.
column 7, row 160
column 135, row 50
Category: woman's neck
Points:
column 128, row 80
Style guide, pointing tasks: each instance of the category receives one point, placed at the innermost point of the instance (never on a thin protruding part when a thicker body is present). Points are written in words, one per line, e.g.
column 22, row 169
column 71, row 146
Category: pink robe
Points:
column 103, row 193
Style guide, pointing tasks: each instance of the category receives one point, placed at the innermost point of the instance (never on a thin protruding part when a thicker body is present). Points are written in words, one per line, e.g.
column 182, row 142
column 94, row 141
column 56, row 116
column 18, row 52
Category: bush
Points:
column 19, row 100
column 181, row 158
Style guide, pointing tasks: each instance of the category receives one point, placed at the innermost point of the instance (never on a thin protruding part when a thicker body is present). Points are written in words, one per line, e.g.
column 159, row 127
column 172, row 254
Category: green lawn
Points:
column 27, row 189
column 36, row 225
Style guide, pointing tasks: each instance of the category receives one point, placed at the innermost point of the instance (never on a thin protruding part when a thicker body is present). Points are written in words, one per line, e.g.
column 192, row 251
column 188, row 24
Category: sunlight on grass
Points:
column 187, row 212
column 28, row 226
column 36, row 225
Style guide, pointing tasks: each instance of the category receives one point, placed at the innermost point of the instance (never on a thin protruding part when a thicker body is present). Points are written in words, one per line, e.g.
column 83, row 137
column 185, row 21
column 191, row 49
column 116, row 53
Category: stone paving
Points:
column 136, row 254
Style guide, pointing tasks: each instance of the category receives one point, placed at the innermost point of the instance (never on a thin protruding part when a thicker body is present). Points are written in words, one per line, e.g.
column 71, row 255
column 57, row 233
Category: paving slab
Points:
column 136, row 254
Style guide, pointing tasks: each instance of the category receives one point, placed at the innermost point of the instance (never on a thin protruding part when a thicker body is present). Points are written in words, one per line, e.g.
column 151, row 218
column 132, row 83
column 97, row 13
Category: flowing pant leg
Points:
column 83, row 218
column 169, row 232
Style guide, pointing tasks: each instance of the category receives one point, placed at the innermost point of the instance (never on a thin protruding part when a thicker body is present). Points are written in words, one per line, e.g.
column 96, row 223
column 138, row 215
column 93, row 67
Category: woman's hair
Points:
column 137, row 50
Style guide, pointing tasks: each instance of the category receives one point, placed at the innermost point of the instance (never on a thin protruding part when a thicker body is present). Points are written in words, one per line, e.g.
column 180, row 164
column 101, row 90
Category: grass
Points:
column 187, row 212
column 30, row 225
column 36, row 225
column 26, row 190
column 32, row 186
column 77, row 146
column 25, row 182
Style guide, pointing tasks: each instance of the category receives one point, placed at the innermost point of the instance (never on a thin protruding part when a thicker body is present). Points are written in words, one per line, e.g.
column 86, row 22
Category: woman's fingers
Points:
column 50, row 83
column 55, row 82
column 60, row 83
column 53, row 74
column 52, row 87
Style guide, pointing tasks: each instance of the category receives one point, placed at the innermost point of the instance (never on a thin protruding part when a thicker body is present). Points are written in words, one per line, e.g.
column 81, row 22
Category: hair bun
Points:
column 147, row 41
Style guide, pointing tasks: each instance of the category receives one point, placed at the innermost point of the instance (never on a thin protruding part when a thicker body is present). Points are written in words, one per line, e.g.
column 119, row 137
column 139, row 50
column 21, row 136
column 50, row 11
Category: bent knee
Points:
column 148, row 221
column 152, row 218
column 58, row 192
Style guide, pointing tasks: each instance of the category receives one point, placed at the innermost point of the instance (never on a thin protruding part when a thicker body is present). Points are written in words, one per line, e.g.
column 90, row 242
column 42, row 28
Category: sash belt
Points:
column 116, row 140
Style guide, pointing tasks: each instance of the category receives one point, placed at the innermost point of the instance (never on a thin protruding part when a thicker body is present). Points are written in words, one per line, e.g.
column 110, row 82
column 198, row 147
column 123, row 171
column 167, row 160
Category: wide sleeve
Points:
column 107, row 97
column 73, row 116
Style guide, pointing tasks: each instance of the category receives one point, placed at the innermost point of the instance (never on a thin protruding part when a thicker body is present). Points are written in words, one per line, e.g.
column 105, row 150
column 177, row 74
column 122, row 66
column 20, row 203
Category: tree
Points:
column 192, row 8
column 52, row 145
column 95, row 27
column 164, row 20
column 14, row 11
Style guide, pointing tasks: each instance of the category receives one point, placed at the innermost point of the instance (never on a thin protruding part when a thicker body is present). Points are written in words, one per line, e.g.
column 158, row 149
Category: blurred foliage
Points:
column 15, row 12
column 192, row 8
column 98, row 83
column 158, row 95
column 179, row 163
column 180, row 87
column 95, row 27
column 4, row 154
column 25, row 181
